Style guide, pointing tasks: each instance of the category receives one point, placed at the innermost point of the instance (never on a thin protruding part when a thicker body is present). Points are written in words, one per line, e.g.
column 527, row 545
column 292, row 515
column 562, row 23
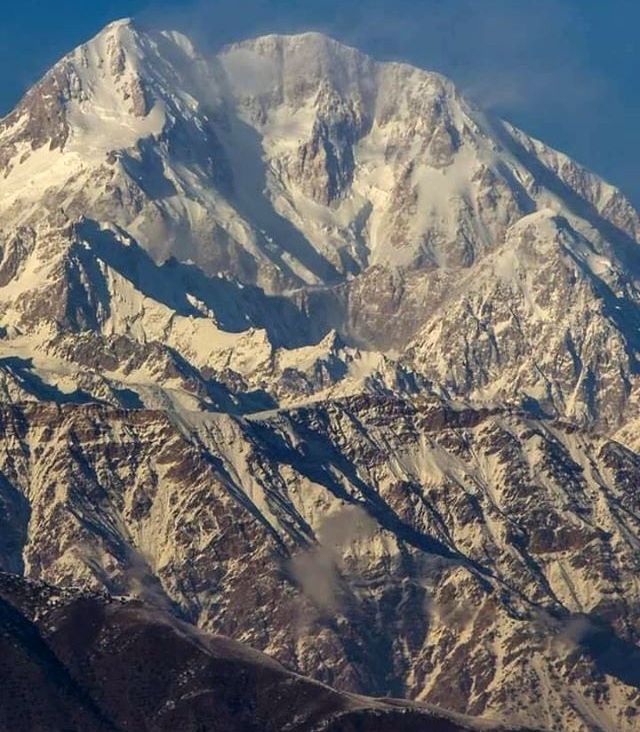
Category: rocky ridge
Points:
column 183, row 679
column 478, row 560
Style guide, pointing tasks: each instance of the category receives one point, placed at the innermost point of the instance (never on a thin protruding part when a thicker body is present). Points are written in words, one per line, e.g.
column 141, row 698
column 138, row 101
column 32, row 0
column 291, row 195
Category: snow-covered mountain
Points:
column 347, row 195
column 291, row 333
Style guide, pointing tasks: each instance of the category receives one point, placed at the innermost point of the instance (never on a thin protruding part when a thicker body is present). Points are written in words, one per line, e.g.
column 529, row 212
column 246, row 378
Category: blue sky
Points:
column 566, row 71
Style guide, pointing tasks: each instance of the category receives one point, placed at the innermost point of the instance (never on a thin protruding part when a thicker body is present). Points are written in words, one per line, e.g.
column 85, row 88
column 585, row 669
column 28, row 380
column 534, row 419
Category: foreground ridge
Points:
column 71, row 659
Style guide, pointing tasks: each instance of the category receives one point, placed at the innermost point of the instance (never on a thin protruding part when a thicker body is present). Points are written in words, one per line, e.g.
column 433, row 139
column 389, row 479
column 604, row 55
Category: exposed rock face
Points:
column 311, row 352
column 535, row 322
column 475, row 560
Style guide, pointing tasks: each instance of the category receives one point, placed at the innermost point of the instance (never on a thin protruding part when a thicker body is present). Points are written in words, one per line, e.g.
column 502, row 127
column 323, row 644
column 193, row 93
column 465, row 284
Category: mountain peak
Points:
column 117, row 38
column 119, row 23
column 296, row 66
column 309, row 39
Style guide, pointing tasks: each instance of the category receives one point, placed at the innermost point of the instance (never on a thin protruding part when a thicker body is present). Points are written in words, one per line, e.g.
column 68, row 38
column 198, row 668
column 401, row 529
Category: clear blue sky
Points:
column 566, row 71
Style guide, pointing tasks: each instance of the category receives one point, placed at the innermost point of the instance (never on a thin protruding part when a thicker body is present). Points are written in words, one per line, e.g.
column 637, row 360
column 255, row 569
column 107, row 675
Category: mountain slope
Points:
column 183, row 679
column 482, row 561
column 358, row 190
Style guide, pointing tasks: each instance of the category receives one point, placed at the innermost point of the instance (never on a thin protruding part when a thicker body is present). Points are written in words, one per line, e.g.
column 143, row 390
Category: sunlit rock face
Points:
column 307, row 350
column 402, row 548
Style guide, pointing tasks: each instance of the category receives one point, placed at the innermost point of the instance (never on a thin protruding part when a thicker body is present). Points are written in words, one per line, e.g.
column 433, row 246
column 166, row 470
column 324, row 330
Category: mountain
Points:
column 304, row 189
column 305, row 349
column 181, row 678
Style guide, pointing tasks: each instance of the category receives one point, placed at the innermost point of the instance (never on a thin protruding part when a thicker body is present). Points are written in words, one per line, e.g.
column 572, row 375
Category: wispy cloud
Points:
column 509, row 55
column 317, row 569
column 528, row 62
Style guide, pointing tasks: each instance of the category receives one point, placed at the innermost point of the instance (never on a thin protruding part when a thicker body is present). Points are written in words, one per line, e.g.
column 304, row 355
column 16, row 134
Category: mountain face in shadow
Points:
column 90, row 663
